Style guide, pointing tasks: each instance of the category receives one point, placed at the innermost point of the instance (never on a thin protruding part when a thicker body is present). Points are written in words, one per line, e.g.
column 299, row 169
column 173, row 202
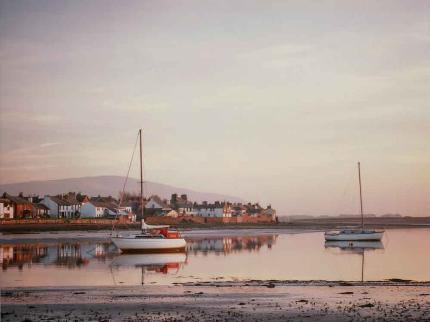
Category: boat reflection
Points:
column 167, row 260
column 355, row 247
column 161, row 263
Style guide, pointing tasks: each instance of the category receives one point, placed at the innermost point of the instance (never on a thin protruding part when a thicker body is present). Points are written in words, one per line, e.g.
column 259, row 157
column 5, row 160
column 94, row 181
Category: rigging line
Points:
column 126, row 178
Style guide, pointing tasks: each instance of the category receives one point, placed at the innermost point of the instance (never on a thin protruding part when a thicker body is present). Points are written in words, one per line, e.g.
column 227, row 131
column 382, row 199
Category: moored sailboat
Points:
column 355, row 234
column 153, row 238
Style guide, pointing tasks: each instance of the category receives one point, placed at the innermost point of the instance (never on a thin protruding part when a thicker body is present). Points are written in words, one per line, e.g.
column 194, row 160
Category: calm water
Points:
column 82, row 259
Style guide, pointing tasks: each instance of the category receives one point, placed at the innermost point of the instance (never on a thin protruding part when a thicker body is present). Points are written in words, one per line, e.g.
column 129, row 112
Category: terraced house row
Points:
column 75, row 205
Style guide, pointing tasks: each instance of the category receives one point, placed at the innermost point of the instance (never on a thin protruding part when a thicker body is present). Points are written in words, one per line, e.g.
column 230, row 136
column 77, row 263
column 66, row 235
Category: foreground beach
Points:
column 223, row 301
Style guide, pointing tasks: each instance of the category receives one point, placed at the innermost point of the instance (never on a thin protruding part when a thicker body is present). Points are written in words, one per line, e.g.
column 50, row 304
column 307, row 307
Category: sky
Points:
column 271, row 101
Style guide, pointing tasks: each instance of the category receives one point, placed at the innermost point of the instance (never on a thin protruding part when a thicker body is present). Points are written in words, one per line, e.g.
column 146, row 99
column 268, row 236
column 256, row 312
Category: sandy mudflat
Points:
column 241, row 301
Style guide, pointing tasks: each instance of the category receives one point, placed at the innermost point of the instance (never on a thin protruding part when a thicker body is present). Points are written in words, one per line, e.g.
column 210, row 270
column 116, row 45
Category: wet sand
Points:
column 299, row 224
column 223, row 301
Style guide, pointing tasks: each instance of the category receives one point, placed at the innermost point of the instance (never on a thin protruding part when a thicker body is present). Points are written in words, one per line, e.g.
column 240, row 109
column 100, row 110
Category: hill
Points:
column 107, row 186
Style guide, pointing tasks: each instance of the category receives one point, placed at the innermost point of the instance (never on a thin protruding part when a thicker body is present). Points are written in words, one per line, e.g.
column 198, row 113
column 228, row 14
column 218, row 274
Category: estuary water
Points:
column 90, row 259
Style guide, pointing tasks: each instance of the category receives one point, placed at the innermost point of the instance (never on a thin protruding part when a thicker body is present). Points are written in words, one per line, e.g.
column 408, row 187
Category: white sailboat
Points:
column 355, row 234
column 153, row 238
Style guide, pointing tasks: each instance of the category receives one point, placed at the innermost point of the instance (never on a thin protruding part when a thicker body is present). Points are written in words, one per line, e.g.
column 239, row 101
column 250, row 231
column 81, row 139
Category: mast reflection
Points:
column 355, row 247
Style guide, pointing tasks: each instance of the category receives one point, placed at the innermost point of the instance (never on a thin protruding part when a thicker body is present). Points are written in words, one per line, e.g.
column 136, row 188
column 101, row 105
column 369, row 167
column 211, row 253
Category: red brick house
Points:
column 22, row 208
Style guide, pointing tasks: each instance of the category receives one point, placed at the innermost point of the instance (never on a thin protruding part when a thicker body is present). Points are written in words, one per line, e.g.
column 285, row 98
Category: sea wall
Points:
column 82, row 221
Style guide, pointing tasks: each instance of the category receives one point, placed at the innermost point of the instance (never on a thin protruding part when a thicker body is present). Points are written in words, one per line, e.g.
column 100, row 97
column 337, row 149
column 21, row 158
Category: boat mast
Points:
column 361, row 197
column 141, row 173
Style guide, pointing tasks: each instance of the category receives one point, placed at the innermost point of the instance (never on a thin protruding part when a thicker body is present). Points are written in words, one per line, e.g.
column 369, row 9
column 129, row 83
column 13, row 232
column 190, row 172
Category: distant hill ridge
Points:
column 107, row 186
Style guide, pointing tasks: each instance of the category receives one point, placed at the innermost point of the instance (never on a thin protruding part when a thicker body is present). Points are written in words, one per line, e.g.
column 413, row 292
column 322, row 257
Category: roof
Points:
column 158, row 200
column 127, row 203
column 103, row 199
column 269, row 211
column 71, row 199
column 59, row 201
column 17, row 200
column 41, row 206
column 215, row 205
column 102, row 204
column 97, row 203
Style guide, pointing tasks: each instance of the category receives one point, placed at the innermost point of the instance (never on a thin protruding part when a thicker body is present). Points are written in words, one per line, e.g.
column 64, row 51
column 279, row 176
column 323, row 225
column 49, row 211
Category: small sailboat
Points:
column 355, row 234
column 153, row 238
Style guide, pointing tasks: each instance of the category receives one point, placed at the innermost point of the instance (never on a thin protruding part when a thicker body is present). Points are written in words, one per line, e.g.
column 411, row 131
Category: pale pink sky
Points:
column 273, row 101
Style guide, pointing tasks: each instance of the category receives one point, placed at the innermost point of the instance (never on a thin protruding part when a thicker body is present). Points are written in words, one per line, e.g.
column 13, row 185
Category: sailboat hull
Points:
column 348, row 236
column 149, row 245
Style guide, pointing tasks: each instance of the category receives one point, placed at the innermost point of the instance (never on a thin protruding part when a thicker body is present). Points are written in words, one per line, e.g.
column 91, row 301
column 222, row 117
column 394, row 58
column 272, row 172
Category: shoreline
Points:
column 238, row 301
column 269, row 283
column 309, row 224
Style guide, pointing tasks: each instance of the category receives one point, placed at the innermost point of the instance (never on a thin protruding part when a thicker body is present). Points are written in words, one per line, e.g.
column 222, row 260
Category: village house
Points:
column 182, row 205
column 72, row 198
column 172, row 213
column 215, row 210
column 97, row 209
column 61, row 208
column 253, row 209
column 126, row 207
column 22, row 208
column 40, row 210
column 157, row 207
column 6, row 209
column 238, row 210
column 270, row 212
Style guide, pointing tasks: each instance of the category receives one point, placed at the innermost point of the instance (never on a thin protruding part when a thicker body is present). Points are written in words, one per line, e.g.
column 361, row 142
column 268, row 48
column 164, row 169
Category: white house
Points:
column 61, row 208
column 172, row 213
column 270, row 212
column 187, row 209
column 216, row 210
column 97, row 209
column 182, row 205
column 6, row 209
column 238, row 210
column 156, row 206
column 126, row 207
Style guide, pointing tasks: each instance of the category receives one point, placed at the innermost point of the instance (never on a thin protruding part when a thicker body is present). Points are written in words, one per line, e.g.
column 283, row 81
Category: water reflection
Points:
column 19, row 255
column 77, row 254
column 72, row 260
column 155, row 263
column 230, row 245
column 355, row 247
column 63, row 254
